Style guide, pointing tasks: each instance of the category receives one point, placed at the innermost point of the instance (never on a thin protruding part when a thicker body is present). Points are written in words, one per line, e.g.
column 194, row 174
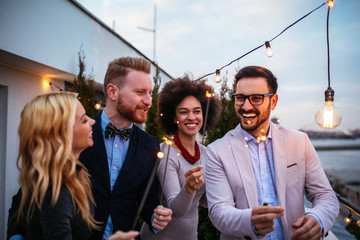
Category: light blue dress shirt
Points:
column 116, row 150
column 261, row 156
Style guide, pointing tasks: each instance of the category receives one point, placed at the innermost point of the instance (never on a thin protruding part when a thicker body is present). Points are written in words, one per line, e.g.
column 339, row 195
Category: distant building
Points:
column 39, row 43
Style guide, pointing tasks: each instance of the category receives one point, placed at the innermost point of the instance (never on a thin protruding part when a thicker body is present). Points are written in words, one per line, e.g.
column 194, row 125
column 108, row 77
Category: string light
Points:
column 217, row 76
column 218, row 70
column 328, row 116
column 269, row 52
column 347, row 219
column 358, row 223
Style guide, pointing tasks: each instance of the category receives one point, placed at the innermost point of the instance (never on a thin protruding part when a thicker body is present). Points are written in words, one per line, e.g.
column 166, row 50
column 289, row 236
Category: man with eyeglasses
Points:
column 257, row 174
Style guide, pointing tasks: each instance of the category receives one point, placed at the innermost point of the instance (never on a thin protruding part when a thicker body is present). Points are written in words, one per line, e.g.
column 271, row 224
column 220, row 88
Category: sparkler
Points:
column 160, row 155
column 168, row 141
column 208, row 96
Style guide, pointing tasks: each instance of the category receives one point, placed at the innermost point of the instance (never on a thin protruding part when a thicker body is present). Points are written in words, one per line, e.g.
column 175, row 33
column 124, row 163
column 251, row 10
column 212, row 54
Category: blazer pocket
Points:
column 293, row 168
column 291, row 165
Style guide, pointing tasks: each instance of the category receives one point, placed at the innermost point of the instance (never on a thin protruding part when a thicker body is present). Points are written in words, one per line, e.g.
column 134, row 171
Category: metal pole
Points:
column 154, row 57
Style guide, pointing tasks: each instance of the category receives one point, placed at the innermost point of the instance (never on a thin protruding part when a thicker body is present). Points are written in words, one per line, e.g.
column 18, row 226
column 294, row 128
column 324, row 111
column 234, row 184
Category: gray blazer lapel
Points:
column 280, row 160
column 243, row 163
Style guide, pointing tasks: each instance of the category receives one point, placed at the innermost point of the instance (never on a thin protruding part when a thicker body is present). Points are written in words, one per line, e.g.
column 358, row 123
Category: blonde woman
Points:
column 56, row 199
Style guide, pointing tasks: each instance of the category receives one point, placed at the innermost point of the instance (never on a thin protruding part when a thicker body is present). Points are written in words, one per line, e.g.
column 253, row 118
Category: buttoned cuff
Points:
column 318, row 219
column 154, row 229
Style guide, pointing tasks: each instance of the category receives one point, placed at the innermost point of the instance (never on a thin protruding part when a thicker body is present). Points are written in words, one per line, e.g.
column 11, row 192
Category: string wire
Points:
column 306, row 15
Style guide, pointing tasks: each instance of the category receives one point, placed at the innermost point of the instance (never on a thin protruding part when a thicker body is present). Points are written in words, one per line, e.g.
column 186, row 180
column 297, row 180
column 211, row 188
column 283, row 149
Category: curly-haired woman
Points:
column 181, row 112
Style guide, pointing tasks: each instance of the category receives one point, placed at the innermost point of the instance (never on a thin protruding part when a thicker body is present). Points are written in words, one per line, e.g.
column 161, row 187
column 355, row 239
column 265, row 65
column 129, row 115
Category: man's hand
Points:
column 307, row 228
column 119, row 235
column 263, row 218
column 162, row 216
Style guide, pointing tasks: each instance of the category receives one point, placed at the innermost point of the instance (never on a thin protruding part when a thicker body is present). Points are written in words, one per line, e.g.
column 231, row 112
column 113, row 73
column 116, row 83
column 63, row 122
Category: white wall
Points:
column 52, row 33
column 17, row 88
column 40, row 41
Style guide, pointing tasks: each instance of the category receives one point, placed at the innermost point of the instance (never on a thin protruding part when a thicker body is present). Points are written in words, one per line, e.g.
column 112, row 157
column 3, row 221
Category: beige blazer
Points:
column 231, row 185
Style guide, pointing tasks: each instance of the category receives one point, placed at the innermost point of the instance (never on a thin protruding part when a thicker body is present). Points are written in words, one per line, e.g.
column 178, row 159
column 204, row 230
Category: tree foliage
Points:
column 228, row 119
column 151, row 126
column 84, row 86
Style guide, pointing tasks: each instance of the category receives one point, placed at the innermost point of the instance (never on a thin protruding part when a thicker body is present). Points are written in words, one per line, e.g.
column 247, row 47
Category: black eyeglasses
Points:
column 255, row 99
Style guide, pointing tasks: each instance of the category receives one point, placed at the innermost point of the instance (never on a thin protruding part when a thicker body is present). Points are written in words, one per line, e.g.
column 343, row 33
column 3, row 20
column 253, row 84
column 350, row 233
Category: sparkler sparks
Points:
column 168, row 140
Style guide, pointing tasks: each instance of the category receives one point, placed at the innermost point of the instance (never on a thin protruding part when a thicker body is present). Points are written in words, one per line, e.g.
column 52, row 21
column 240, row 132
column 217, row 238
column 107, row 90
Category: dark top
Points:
column 61, row 221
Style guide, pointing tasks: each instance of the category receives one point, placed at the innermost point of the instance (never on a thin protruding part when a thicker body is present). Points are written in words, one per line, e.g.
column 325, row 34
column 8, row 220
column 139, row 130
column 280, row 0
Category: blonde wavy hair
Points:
column 45, row 155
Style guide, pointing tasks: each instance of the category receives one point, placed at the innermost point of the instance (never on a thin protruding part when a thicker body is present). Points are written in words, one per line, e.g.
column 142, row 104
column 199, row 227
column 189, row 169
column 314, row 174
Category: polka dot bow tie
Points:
column 111, row 131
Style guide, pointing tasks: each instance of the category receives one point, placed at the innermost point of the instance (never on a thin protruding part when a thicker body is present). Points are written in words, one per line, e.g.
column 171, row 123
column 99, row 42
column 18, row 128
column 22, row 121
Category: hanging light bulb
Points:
column 328, row 116
column 269, row 52
column 331, row 3
column 217, row 76
column 347, row 220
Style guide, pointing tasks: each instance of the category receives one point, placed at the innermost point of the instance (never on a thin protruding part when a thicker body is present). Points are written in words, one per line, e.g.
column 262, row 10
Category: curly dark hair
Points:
column 177, row 90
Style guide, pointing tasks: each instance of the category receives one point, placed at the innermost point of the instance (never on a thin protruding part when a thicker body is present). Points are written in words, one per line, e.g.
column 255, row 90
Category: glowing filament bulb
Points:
column 248, row 122
column 269, row 52
column 347, row 220
column 217, row 76
column 330, row 3
column 328, row 116
column 161, row 114
column 208, row 94
column 263, row 138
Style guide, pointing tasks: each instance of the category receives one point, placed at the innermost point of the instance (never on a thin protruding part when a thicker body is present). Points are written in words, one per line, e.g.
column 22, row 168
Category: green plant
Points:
column 84, row 85
column 151, row 126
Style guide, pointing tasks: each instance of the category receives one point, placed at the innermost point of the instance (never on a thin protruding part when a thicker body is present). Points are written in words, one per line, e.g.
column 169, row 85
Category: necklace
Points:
column 185, row 153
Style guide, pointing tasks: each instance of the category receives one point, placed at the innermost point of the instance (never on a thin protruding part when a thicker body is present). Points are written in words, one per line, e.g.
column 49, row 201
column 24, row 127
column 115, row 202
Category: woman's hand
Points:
column 194, row 180
column 119, row 235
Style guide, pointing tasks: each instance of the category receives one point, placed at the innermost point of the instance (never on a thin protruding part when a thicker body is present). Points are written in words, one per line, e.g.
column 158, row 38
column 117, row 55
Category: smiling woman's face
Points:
column 82, row 130
column 188, row 116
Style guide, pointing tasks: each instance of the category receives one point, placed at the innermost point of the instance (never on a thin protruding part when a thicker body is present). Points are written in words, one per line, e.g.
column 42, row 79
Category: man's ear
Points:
column 274, row 100
column 112, row 90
